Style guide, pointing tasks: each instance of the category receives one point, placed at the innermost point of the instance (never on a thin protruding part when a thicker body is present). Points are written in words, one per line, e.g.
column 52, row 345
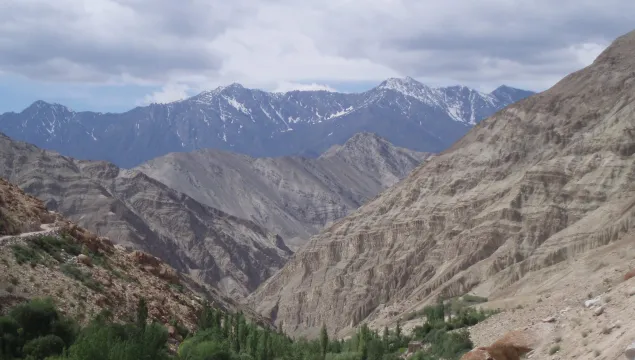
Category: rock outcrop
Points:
column 511, row 346
column 294, row 197
column 538, row 183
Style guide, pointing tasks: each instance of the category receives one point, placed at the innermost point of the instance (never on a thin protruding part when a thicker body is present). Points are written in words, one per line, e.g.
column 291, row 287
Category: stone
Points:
column 630, row 352
column 84, row 259
column 171, row 331
column 599, row 311
column 414, row 346
column 549, row 319
column 593, row 302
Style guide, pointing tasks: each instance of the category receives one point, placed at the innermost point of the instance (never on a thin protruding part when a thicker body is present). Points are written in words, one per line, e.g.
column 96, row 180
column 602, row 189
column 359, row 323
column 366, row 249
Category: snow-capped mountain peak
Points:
column 405, row 84
column 258, row 123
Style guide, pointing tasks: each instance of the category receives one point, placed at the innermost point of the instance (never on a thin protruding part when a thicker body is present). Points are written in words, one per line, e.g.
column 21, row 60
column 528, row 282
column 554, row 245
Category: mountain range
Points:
column 227, row 232
column 293, row 197
column 405, row 112
column 508, row 211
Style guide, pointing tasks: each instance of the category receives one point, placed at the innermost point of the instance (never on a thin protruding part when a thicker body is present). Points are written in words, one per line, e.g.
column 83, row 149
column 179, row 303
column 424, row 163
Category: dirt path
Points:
column 45, row 229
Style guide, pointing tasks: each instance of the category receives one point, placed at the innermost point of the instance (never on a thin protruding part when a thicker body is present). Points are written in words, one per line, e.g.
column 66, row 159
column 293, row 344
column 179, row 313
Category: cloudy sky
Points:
column 110, row 55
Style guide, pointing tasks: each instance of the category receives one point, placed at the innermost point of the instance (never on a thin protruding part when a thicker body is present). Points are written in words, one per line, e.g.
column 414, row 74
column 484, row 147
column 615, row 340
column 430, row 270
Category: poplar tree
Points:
column 324, row 340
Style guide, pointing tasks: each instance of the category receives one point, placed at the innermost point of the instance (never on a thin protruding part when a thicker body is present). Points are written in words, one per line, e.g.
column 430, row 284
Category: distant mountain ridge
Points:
column 294, row 197
column 404, row 111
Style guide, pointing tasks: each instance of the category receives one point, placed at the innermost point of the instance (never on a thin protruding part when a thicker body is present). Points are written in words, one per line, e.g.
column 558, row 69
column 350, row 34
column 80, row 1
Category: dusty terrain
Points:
column 552, row 302
column 528, row 190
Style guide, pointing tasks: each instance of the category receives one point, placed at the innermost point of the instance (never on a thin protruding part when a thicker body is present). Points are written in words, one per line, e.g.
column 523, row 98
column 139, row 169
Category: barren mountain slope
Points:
column 534, row 185
column 132, row 209
column 86, row 274
column 292, row 196
column 580, row 307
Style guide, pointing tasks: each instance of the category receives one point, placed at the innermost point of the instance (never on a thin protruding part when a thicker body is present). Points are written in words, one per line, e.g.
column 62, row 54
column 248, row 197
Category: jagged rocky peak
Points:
column 510, row 94
column 41, row 105
column 406, row 85
column 361, row 141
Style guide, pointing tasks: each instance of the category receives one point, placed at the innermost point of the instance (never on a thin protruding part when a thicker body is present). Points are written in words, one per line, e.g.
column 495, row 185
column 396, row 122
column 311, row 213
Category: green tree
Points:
column 386, row 338
column 226, row 324
column 398, row 331
column 262, row 352
column 142, row 314
column 253, row 341
column 207, row 319
column 324, row 340
column 242, row 332
column 363, row 348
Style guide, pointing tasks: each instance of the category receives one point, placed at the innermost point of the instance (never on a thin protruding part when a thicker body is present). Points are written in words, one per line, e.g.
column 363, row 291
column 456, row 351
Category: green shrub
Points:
column 76, row 273
column 473, row 299
column 36, row 248
column 25, row 254
column 43, row 347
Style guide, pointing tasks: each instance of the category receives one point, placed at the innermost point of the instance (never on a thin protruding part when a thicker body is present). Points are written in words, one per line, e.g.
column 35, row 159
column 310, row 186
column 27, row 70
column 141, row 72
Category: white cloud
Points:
column 278, row 44
column 167, row 94
column 289, row 86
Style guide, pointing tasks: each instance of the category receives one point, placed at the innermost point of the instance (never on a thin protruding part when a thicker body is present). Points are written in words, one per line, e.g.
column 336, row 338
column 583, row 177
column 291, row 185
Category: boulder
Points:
column 142, row 258
column 84, row 259
column 630, row 352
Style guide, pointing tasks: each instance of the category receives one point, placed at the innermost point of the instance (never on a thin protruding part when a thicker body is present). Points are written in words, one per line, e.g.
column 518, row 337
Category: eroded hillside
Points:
column 533, row 186
column 86, row 274
column 134, row 210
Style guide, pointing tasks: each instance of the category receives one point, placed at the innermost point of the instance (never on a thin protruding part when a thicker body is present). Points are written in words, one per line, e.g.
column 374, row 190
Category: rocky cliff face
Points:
column 134, row 210
column 536, row 184
column 36, row 262
column 291, row 196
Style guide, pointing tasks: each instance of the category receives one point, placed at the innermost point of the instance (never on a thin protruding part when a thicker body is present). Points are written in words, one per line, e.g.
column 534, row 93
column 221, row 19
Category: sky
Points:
column 112, row 55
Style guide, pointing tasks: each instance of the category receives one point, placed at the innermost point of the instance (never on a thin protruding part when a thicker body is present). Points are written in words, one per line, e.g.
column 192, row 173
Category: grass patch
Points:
column 85, row 278
column 25, row 254
column 36, row 249
column 177, row 287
